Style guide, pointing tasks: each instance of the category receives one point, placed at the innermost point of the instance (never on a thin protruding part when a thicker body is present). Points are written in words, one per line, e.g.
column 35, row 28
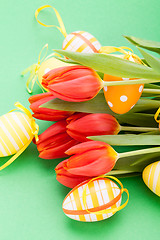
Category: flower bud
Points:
column 73, row 83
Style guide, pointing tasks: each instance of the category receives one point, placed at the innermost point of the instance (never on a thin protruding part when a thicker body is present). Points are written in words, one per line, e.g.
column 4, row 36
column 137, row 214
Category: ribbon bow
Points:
column 127, row 54
column 33, row 69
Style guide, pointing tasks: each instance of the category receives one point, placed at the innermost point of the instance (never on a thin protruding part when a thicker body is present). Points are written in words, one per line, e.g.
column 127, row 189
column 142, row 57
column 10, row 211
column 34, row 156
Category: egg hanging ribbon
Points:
column 61, row 28
column 109, row 204
column 156, row 117
column 8, row 136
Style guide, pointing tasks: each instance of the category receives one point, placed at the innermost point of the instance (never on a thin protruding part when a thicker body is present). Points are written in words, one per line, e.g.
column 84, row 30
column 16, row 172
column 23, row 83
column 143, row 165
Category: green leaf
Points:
column 128, row 139
column 144, row 105
column 138, row 119
column 147, row 44
column 99, row 105
column 122, row 173
column 130, row 163
column 154, row 62
column 95, row 105
column 152, row 86
column 112, row 65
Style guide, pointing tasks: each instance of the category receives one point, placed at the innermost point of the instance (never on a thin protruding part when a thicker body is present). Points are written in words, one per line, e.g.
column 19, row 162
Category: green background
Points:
column 30, row 196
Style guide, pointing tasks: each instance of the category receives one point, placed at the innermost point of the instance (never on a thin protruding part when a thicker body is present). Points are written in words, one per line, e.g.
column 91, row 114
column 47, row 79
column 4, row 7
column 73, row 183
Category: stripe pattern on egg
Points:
column 98, row 193
column 80, row 41
column 15, row 132
column 151, row 177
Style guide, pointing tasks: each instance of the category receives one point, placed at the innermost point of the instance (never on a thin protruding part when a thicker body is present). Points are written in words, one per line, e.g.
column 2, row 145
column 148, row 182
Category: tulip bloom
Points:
column 84, row 125
column 54, row 141
column 67, row 179
column 90, row 159
column 73, row 83
column 46, row 113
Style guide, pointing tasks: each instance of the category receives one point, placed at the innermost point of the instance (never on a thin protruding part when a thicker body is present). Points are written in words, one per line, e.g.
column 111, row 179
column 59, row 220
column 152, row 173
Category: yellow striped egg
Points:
column 151, row 177
column 99, row 194
column 15, row 132
column 49, row 64
column 80, row 41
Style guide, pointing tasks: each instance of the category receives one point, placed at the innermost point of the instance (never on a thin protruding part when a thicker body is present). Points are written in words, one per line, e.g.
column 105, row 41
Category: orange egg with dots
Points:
column 81, row 41
column 122, row 98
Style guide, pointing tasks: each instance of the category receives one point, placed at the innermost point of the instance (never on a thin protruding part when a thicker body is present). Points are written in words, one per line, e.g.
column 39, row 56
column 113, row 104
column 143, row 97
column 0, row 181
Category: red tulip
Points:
column 54, row 141
column 73, row 83
column 66, row 178
column 84, row 125
column 46, row 113
column 90, row 159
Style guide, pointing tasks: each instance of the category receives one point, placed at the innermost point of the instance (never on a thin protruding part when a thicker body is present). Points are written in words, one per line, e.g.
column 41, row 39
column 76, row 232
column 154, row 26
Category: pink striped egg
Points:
column 80, row 41
column 101, row 194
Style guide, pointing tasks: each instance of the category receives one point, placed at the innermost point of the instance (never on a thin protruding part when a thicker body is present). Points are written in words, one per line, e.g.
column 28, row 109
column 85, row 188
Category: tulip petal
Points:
column 92, row 125
column 78, row 90
column 40, row 96
column 82, row 147
column 70, row 181
column 56, row 152
column 98, row 167
column 73, row 83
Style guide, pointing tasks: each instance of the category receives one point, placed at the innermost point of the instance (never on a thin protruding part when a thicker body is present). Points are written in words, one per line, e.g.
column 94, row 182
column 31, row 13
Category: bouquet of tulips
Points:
column 89, row 120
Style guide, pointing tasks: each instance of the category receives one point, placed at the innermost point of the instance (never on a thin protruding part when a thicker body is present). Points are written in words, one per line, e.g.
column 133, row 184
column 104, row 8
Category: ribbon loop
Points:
column 61, row 28
column 105, row 211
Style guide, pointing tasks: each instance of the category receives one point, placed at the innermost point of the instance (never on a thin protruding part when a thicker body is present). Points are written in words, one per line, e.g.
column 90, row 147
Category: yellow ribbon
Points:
column 127, row 54
column 33, row 69
column 112, row 210
column 156, row 116
column 61, row 27
column 35, row 129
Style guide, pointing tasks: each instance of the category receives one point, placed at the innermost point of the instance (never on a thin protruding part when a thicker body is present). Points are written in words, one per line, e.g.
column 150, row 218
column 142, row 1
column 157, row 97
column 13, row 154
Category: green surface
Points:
column 30, row 197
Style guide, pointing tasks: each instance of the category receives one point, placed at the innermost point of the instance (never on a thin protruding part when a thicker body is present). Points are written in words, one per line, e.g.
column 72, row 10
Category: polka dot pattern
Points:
column 141, row 88
column 105, row 88
column 123, row 98
column 110, row 104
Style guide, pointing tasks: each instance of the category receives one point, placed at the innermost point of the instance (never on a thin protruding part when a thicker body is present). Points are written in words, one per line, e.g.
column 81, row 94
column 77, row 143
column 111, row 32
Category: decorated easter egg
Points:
column 151, row 177
column 49, row 64
column 15, row 132
column 122, row 98
column 80, row 41
column 101, row 194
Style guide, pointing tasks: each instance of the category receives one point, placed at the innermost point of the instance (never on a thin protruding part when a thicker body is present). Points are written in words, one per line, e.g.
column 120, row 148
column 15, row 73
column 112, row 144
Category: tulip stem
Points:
column 119, row 172
column 150, row 90
column 139, row 152
column 129, row 82
column 138, row 129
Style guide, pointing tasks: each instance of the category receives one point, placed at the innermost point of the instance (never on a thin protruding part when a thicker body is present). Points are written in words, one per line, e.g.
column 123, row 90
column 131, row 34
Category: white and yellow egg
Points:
column 99, row 194
column 49, row 64
column 151, row 177
column 81, row 41
column 15, row 132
